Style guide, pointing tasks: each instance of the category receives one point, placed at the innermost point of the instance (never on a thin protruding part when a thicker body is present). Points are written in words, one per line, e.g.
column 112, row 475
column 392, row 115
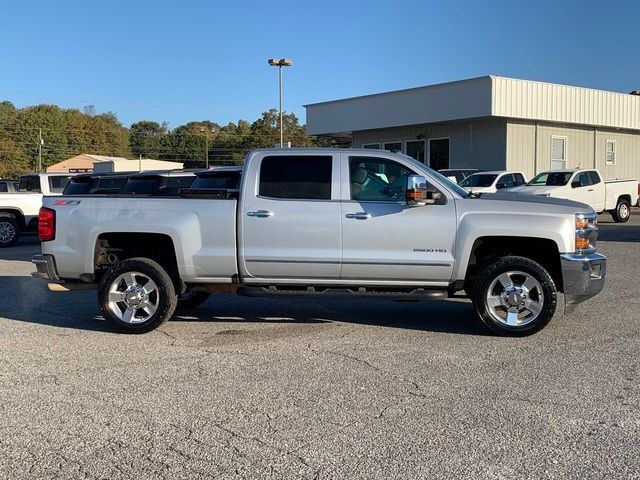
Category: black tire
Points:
column 189, row 300
column 512, row 264
column 622, row 213
column 9, row 232
column 165, row 298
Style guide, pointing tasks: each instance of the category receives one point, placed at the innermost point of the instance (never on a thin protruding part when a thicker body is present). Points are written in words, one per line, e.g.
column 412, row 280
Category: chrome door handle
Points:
column 590, row 190
column 359, row 215
column 260, row 213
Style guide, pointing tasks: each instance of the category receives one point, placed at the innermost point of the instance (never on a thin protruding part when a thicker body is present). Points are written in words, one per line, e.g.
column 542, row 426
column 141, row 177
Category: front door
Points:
column 385, row 240
column 290, row 219
column 585, row 192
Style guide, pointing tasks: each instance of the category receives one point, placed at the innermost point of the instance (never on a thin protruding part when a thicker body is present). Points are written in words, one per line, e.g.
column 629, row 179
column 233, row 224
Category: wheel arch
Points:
column 114, row 247
column 14, row 213
column 486, row 249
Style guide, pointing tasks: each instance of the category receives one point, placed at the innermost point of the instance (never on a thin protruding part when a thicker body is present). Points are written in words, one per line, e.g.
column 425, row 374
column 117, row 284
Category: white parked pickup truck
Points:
column 323, row 223
column 491, row 182
column 19, row 210
column 586, row 186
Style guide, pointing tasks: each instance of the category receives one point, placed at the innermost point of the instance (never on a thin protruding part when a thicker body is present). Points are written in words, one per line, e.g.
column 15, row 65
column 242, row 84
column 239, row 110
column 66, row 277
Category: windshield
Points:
column 555, row 179
column 454, row 187
column 479, row 180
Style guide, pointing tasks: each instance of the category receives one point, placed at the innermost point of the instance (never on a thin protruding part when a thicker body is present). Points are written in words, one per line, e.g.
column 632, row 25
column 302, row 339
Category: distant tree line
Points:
column 69, row 132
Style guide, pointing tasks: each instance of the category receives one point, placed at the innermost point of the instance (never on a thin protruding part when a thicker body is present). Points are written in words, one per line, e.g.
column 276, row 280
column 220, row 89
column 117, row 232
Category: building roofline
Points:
column 465, row 80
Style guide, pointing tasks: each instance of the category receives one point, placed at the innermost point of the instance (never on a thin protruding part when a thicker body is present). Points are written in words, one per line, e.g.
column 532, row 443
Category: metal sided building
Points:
column 493, row 123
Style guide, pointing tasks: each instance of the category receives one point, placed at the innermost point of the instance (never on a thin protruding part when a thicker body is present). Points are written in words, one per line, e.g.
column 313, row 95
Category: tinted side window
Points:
column 595, row 178
column 584, row 178
column 377, row 179
column 296, row 177
column 518, row 179
column 4, row 187
column 57, row 184
column 79, row 187
column 221, row 180
column 506, row 180
column 142, row 186
column 30, row 183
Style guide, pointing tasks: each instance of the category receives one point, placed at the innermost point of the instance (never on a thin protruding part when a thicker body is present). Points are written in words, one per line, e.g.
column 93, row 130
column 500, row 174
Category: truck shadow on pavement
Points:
column 617, row 232
column 24, row 299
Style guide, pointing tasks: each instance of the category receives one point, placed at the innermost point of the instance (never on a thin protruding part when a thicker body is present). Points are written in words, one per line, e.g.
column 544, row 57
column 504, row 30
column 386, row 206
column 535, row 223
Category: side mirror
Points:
column 501, row 185
column 576, row 184
column 416, row 190
column 418, row 193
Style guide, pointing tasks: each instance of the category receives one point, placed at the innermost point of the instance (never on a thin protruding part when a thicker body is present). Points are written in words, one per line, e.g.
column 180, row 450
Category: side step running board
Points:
column 323, row 292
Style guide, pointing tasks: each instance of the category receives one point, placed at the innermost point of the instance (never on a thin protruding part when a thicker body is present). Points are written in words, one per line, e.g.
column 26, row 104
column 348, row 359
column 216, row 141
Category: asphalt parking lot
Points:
column 254, row 388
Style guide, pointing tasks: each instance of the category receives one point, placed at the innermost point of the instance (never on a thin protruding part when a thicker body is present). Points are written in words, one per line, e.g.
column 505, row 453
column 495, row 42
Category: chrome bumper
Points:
column 45, row 268
column 583, row 277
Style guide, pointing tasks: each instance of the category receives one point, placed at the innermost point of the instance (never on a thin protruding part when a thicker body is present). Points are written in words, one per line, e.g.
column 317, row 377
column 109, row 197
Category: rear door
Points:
column 384, row 239
column 290, row 218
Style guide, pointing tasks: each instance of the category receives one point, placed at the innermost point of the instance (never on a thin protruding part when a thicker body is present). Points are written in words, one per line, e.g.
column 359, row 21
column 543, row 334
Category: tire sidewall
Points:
column 166, row 292
column 16, row 236
column 622, row 218
column 484, row 280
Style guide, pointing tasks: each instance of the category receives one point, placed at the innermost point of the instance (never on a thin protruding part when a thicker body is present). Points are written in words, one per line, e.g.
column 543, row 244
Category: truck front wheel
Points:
column 137, row 295
column 515, row 296
column 9, row 232
column 622, row 213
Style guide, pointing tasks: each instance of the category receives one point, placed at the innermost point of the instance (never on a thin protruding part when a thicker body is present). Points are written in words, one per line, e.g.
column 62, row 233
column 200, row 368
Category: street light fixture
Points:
column 280, row 62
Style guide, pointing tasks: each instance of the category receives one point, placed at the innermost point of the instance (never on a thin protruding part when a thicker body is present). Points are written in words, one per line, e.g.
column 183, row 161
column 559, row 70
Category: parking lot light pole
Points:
column 280, row 62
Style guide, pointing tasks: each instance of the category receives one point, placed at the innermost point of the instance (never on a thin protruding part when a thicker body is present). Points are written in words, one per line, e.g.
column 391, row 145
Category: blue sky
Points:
column 195, row 60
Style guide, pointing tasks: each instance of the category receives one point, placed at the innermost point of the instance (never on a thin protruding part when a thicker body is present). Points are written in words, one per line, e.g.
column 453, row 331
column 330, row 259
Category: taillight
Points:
column 46, row 224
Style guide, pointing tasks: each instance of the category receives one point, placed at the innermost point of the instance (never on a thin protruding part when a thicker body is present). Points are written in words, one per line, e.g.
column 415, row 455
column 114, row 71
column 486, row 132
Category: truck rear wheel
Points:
column 137, row 295
column 515, row 296
column 9, row 232
column 622, row 213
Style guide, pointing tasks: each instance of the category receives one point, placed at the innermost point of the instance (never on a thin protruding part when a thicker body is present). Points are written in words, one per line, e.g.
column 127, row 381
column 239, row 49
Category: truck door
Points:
column 290, row 218
column 599, row 191
column 385, row 240
column 582, row 189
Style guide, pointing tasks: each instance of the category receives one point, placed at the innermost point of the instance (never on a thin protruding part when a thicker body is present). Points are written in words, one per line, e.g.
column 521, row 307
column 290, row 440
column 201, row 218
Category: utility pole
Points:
column 40, row 141
column 280, row 62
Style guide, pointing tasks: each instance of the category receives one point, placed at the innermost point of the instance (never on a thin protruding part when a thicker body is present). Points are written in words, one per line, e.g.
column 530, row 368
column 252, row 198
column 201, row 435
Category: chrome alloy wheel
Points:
column 7, row 232
column 515, row 298
column 623, row 211
column 133, row 297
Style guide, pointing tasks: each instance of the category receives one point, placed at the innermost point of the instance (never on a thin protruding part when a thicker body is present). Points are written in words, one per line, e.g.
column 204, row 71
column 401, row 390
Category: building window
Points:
column 558, row 153
column 610, row 152
column 393, row 146
column 439, row 153
column 371, row 146
column 296, row 177
column 415, row 149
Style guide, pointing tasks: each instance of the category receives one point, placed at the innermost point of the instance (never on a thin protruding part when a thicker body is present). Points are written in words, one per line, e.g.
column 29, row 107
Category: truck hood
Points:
column 532, row 190
column 525, row 199
column 480, row 189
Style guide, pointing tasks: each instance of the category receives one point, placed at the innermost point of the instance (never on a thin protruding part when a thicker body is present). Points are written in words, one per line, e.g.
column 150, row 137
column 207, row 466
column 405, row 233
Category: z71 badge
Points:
column 64, row 203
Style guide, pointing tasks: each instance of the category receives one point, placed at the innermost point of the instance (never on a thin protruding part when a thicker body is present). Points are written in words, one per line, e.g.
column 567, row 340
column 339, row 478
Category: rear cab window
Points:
column 30, row 183
column 57, row 183
column 296, row 177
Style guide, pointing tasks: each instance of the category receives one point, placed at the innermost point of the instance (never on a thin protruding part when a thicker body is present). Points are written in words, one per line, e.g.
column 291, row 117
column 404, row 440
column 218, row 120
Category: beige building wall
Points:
column 529, row 148
column 472, row 144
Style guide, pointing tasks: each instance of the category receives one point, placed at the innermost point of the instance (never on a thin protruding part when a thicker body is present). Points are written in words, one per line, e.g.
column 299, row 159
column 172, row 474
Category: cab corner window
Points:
column 296, row 177
column 377, row 179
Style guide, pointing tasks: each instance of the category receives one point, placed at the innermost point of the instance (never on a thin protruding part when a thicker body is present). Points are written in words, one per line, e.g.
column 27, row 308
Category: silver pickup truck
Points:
column 323, row 223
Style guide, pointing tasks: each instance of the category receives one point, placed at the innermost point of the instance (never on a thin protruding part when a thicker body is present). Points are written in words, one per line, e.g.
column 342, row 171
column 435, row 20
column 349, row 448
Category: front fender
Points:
column 475, row 225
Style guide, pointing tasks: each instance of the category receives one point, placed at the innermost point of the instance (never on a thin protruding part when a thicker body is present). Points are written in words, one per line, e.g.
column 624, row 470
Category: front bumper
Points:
column 45, row 268
column 583, row 277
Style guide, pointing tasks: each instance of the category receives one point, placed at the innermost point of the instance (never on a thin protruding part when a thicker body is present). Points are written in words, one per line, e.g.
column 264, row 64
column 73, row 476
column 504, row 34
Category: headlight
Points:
column 586, row 232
